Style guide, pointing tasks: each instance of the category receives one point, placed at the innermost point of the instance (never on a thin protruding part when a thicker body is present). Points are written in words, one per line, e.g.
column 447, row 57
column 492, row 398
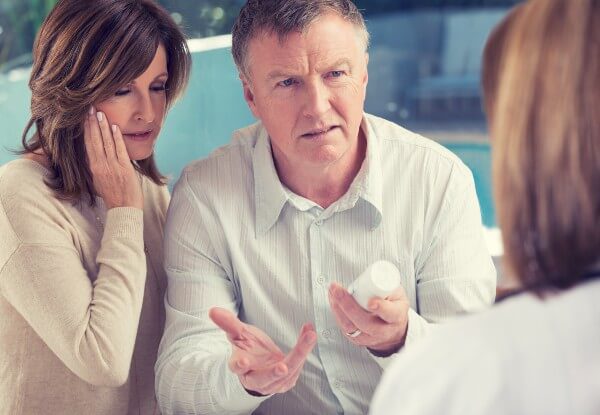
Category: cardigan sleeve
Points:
column 90, row 324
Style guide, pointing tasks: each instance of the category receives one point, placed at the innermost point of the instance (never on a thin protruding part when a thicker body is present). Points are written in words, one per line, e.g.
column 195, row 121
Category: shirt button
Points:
column 321, row 279
column 338, row 384
column 326, row 333
column 319, row 223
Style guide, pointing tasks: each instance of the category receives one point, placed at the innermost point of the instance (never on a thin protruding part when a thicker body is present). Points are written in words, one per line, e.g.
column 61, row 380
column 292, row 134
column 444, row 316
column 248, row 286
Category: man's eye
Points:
column 287, row 82
column 336, row 74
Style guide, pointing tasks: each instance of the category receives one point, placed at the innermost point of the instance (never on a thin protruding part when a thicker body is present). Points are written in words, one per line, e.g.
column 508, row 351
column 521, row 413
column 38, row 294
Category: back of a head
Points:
column 546, row 131
column 282, row 17
column 492, row 57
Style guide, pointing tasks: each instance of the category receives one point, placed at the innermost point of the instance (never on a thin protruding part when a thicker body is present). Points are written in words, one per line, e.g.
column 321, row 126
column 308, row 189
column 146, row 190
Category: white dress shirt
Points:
column 524, row 356
column 238, row 239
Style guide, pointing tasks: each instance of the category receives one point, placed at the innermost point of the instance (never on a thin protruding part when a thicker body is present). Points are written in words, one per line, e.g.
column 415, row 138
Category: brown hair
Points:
column 282, row 17
column 83, row 53
column 546, row 155
column 492, row 58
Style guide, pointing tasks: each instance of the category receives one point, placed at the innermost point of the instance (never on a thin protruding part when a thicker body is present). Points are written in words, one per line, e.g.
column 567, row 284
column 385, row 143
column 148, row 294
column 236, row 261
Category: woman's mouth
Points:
column 138, row 136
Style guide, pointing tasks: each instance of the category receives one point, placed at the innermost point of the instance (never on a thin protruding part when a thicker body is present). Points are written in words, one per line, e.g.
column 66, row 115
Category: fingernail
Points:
column 114, row 128
column 99, row 115
column 91, row 110
column 339, row 294
column 373, row 306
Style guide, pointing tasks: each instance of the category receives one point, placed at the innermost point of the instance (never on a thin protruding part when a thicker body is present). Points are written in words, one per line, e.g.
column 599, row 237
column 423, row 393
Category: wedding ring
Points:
column 354, row 333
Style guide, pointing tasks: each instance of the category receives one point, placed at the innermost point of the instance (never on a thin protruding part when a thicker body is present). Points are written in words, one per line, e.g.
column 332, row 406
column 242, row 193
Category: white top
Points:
column 238, row 239
column 525, row 356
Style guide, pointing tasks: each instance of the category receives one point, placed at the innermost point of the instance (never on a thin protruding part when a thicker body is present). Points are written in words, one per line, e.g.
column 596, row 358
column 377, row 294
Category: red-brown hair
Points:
column 84, row 52
column 546, row 141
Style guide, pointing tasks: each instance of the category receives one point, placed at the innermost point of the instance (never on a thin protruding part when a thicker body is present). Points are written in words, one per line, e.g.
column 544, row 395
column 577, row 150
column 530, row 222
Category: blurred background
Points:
column 425, row 63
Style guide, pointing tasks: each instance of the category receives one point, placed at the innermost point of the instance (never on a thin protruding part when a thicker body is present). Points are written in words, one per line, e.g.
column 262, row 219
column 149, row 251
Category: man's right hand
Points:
column 260, row 365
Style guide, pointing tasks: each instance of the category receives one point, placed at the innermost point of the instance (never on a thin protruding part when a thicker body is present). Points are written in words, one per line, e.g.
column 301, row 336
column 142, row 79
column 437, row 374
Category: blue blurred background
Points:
column 425, row 61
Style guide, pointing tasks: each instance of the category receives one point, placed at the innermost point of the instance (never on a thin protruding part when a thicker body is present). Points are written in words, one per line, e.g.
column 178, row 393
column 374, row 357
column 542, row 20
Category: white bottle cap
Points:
column 380, row 279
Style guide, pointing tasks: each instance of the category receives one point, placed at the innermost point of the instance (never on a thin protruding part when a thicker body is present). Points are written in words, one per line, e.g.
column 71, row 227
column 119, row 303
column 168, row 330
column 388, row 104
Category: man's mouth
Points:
column 319, row 132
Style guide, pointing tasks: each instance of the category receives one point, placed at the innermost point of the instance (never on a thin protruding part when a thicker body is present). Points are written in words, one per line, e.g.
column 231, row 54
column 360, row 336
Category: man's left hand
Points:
column 382, row 328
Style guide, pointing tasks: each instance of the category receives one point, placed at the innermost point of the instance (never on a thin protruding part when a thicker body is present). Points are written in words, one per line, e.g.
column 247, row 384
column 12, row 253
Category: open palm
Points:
column 260, row 365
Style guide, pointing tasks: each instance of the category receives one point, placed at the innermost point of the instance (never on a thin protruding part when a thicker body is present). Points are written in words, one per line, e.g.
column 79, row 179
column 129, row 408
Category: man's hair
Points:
column 84, row 52
column 546, row 158
column 283, row 17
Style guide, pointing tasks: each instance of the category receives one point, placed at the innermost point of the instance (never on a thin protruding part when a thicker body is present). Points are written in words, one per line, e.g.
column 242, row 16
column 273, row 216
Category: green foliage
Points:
column 205, row 17
column 20, row 21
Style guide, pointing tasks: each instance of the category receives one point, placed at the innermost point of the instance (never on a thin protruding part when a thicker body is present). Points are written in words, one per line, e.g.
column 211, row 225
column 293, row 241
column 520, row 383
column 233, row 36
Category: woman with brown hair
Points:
column 82, row 213
column 537, row 351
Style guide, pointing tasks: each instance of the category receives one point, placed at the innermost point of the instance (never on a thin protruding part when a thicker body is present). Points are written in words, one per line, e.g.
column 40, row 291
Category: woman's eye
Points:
column 122, row 92
column 159, row 88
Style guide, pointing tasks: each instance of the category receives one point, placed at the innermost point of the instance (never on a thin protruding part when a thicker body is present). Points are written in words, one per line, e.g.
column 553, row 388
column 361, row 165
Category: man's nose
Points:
column 317, row 99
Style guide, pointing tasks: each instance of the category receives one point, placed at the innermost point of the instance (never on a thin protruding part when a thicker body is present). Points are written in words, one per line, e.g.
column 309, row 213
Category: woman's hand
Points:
column 115, row 179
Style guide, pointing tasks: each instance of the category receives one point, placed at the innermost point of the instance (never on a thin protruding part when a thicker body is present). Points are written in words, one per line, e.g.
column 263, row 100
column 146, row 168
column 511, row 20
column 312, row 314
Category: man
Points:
column 263, row 235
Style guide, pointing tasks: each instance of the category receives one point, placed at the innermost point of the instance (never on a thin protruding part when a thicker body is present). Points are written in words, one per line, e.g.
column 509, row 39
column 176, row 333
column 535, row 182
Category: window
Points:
column 425, row 61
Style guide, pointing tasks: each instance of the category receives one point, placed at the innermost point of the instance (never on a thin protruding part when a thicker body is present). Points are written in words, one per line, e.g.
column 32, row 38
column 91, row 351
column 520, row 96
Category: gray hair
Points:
column 282, row 17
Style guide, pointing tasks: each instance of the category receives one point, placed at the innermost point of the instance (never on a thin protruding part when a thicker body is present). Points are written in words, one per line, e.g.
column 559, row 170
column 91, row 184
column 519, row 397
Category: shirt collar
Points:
column 271, row 196
column 367, row 185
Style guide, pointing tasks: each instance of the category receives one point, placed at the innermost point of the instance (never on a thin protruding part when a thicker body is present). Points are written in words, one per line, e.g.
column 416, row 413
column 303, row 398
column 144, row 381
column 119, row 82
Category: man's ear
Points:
column 249, row 96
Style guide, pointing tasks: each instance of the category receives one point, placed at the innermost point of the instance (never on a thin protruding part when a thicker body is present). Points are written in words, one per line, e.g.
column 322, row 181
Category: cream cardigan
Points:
column 81, row 299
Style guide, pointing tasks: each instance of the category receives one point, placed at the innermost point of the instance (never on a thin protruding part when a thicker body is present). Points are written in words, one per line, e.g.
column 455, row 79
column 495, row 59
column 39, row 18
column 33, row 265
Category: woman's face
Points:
column 138, row 108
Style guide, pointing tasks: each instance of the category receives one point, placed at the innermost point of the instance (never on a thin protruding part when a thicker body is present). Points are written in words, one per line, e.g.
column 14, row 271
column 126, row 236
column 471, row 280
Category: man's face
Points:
column 309, row 92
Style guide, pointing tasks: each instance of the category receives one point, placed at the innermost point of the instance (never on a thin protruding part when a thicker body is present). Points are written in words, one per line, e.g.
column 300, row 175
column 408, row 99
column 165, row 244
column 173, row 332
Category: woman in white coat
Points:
column 536, row 352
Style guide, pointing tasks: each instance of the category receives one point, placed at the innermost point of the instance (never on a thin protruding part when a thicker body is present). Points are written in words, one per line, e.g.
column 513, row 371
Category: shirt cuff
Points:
column 417, row 329
column 237, row 398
